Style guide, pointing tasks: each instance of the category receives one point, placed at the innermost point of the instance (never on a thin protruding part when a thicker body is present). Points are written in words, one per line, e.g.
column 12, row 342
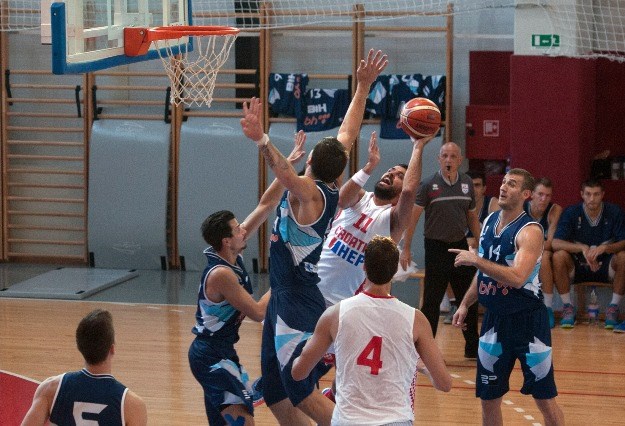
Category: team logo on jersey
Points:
column 434, row 187
column 539, row 358
column 489, row 350
column 465, row 188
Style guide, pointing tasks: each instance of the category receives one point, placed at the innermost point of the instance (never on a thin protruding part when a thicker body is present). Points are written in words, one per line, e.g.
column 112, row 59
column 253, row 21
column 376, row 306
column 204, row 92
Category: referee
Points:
column 449, row 203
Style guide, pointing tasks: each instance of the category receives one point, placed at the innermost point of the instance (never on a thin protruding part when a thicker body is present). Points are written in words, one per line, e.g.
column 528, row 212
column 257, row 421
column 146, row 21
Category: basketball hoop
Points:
column 192, row 74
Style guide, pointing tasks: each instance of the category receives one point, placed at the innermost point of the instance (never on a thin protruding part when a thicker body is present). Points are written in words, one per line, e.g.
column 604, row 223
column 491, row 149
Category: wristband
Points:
column 262, row 141
column 360, row 178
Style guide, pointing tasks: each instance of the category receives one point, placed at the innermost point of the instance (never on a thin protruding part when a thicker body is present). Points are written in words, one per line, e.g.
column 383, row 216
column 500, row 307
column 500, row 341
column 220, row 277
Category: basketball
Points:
column 420, row 117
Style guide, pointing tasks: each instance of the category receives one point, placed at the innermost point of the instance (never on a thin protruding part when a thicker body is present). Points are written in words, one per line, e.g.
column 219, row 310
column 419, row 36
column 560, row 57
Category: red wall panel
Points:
column 488, row 132
column 489, row 78
column 610, row 118
column 552, row 125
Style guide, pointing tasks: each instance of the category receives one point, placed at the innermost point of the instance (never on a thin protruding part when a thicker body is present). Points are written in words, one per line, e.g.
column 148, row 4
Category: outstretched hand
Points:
column 298, row 148
column 251, row 121
column 374, row 154
column 465, row 257
column 369, row 70
column 421, row 142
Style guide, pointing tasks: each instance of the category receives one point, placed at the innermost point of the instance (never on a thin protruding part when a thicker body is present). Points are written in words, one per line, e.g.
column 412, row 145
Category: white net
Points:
column 19, row 14
column 584, row 28
column 193, row 75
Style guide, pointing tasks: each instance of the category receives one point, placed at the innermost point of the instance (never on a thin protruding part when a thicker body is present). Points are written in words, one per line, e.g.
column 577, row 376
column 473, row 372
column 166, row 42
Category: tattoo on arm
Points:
column 274, row 158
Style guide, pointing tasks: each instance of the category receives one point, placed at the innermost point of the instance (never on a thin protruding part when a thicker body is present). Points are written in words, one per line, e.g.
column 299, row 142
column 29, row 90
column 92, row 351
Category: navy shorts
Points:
column 583, row 272
column 525, row 336
column 290, row 320
column 224, row 381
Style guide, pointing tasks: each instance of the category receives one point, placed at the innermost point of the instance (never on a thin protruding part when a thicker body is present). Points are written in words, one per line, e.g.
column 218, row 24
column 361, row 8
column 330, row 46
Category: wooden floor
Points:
column 37, row 341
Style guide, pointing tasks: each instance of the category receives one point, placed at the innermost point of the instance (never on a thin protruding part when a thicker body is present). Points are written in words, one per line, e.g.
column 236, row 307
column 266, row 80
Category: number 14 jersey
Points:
column 376, row 361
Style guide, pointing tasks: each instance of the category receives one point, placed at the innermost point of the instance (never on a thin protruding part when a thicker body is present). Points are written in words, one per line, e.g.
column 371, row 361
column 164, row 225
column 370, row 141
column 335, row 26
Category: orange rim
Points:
column 177, row 31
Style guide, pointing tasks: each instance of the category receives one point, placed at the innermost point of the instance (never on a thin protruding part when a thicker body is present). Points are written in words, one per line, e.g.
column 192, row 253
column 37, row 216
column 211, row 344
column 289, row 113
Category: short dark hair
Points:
column 328, row 159
column 474, row 174
column 402, row 165
column 216, row 227
column 95, row 335
column 592, row 183
column 528, row 179
column 381, row 259
column 544, row 181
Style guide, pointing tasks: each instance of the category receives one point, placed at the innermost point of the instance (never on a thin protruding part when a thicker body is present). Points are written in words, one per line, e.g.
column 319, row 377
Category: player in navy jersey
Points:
column 589, row 245
column 91, row 395
column 224, row 299
column 303, row 219
column 516, row 324
column 542, row 210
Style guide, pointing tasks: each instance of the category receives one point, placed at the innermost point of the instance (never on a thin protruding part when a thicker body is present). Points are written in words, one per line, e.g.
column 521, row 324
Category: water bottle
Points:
column 593, row 308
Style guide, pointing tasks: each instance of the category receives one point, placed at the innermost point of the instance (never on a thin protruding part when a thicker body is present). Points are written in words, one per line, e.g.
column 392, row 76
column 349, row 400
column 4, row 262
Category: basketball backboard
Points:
column 88, row 35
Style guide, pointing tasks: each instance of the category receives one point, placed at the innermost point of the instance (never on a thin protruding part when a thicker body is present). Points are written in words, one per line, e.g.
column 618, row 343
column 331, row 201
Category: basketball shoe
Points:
column 257, row 392
column 611, row 316
column 568, row 316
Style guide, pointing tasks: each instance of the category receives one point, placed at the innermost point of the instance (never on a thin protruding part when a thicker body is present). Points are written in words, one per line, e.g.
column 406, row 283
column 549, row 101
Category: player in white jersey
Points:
column 373, row 386
column 385, row 211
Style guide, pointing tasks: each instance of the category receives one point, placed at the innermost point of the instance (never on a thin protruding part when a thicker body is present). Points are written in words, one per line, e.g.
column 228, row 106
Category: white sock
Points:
column 566, row 298
column 548, row 300
column 616, row 299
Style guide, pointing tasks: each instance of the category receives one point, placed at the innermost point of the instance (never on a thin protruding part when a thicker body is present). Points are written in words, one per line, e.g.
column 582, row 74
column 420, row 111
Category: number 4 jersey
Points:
column 376, row 361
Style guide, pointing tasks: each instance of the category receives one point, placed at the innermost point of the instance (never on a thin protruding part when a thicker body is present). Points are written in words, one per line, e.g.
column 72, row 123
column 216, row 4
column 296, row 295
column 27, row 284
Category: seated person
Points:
column 589, row 245
column 540, row 208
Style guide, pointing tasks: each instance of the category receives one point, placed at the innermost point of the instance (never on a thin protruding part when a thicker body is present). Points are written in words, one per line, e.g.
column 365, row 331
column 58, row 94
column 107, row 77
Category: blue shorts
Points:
column 583, row 272
column 525, row 336
column 224, row 381
column 290, row 320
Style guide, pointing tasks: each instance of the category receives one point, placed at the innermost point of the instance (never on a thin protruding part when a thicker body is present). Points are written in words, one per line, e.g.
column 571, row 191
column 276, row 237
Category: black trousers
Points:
column 440, row 270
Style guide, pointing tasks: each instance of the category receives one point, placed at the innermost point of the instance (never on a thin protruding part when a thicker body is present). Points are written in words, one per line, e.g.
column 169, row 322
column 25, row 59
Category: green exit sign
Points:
column 545, row 40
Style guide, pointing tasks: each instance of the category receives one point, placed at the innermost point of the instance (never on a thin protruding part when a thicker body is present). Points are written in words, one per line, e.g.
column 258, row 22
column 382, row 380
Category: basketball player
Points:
column 385, row 211
column 303, row 219
column 224, row 299
column 91, row 395
column 515, row 324
column 589, row 245
column 542, row 210
column 376, row 339
column 484, row 204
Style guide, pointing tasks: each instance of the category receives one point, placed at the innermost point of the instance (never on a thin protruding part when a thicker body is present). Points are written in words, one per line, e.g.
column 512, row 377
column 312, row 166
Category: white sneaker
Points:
column 450, row 315
column 445, row 305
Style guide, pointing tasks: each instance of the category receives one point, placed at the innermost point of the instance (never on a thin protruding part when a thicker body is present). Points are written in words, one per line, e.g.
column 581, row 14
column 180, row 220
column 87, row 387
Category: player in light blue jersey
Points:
column 304, row 217
column 224, row 299
column 91, row 395
column 589, row 245
column 516, row 323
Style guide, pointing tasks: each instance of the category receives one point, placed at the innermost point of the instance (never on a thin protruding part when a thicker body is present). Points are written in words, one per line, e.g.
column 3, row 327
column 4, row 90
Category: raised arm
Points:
column 529, row 248
column 366, row 74
column 317, row 345
column 271, row 197
column 351, row 192
column 302, row 187
column 401, row 214
column 405, row 257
